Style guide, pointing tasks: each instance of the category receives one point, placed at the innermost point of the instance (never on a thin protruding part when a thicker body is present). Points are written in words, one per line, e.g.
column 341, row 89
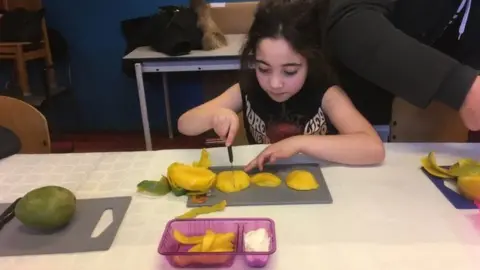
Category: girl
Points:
column 289, row 98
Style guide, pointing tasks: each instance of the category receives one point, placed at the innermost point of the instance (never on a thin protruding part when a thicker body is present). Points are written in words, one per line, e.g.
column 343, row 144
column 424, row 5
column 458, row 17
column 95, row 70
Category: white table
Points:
column 388, row 217
column 147, row 61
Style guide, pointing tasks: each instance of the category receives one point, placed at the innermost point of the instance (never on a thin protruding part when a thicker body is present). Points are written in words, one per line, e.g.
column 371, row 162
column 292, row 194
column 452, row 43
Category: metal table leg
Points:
column 167, row 104
column 143, row 106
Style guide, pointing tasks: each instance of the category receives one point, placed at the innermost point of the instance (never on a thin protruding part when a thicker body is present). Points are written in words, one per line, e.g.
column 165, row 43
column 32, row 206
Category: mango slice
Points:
column 193, row 213
column 228, row 181
column 207, row 241
column 469, row 187
column 186, row 240
column 301, row 180
column 265, row 179
column 189, row 177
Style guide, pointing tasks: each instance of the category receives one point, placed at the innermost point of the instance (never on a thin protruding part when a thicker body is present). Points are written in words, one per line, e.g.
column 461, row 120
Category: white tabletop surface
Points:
column 387, row 217
column 235, row 43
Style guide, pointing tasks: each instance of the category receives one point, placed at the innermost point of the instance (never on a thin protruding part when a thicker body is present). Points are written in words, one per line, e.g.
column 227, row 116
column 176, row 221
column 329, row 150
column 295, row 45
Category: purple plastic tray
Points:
column 178, row 256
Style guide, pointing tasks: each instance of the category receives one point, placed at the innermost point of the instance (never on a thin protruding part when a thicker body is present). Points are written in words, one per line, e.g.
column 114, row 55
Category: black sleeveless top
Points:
column 267, row 121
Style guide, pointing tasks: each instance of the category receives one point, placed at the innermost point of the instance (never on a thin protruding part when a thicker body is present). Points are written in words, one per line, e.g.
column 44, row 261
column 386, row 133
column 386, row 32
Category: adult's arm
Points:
column 365, row 41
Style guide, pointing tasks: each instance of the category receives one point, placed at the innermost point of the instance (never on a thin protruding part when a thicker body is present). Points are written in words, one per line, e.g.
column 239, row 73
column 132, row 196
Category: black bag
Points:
column 173, row 31
column 21, row 25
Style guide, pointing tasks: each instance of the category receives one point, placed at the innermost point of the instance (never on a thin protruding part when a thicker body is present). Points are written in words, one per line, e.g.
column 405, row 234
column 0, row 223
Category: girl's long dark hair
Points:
column 302, row 23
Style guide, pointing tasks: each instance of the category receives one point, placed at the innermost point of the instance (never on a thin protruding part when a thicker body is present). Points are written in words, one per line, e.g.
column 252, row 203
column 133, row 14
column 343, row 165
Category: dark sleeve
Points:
column 365, row 41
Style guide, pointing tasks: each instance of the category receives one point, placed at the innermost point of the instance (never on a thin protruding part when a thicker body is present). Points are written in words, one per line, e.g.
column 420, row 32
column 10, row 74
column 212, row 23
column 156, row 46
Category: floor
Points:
column 121, row 141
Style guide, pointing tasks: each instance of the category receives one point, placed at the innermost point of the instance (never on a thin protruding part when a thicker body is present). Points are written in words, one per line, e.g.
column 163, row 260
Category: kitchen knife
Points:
column 8, row 214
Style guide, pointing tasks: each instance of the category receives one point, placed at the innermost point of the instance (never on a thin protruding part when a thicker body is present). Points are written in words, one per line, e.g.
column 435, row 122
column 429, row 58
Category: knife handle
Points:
column 8, row 214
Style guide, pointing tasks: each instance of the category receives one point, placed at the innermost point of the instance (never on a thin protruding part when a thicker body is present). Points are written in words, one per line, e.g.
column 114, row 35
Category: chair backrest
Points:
column 27, row 123
column 234, row 18
column 31, row 5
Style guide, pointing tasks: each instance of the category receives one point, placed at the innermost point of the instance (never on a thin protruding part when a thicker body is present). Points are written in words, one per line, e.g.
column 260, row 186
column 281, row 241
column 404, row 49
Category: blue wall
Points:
column 106, row 98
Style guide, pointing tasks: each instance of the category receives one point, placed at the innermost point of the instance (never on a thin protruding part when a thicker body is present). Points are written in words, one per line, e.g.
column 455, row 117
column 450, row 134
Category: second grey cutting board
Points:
column 281, row 195
column 17, row 240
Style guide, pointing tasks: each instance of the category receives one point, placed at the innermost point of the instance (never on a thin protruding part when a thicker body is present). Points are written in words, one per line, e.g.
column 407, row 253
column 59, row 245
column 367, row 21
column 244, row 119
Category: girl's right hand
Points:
column 225, row 123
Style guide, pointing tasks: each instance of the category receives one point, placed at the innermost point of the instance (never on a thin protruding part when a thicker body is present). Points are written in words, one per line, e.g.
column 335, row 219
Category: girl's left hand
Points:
column 280, row 150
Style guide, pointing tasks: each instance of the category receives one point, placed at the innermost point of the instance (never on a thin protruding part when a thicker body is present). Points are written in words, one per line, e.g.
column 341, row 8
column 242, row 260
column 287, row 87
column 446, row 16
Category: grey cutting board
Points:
column 281, row 195
column 17, row 240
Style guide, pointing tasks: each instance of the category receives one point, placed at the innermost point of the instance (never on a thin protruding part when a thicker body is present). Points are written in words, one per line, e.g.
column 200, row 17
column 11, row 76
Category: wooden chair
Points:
column 22, row 52
column 27, row 123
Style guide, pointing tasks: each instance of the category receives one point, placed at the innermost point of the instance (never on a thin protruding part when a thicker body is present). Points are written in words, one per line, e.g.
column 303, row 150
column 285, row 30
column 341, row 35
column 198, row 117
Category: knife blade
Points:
column 230, row 158
column 8, row 214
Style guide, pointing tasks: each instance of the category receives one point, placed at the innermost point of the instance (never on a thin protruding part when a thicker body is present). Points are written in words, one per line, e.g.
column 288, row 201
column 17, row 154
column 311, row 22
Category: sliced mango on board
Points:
column 301, row 180
column 266, row 179
column 232, row 181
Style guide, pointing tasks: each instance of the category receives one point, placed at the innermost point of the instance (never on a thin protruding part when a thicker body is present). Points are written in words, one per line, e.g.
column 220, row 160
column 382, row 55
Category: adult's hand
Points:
column 470, row 110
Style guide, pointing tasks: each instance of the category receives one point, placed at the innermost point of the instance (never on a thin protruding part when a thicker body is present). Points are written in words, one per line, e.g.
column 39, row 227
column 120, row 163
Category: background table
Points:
column 387, row 217
column 146, row 60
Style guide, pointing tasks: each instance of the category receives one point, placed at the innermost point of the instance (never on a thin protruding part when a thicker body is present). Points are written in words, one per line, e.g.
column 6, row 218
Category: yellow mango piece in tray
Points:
column 209, row 242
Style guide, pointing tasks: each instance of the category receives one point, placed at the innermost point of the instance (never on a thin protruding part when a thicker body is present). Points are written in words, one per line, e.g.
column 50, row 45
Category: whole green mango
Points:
column 46, row 208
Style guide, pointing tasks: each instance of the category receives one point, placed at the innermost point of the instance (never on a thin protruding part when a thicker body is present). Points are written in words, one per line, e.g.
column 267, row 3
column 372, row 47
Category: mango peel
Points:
column 465, row 171
column 179, row 179
column 463, row 167
column 193, row 213
column 154, row 188
column 429, row 164
column 204, row 161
